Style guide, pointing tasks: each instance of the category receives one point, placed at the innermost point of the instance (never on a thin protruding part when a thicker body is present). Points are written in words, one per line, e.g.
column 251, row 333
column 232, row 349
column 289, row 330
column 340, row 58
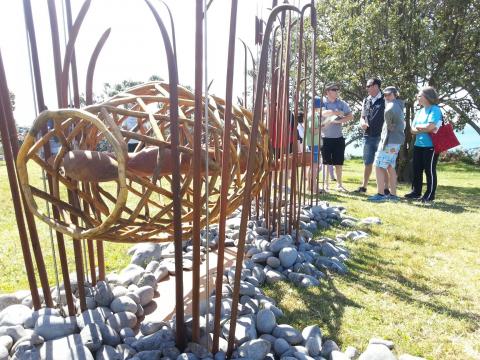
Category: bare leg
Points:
column 326, row 176
column 392, row 179
column 338, row 172
column 330, row 170
column 381, row 176
column 366, row 175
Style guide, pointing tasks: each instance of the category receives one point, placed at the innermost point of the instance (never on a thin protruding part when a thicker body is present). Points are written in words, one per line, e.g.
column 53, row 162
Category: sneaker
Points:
column 392, row 197
column 361, row 189
column 341, row 189
column 426, row 201
column 377, row 198
column 412, row 195
column 386, row 192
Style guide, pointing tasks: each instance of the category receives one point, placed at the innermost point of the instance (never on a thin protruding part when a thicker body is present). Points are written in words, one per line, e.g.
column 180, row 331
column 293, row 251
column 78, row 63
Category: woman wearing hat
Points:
column 427, row 120
column 391, row 139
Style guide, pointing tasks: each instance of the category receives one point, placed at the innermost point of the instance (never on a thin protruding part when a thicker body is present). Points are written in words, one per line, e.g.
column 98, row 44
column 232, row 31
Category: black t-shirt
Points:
column 375, row 116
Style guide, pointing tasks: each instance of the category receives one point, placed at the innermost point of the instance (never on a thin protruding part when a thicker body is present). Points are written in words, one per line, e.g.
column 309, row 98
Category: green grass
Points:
column 13, row 274
column 415, row 281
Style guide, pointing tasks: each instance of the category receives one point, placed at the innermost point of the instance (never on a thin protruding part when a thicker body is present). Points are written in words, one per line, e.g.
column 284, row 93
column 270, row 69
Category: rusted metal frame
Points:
column 76, row 103
column 263, row 193
column 77, row 250
column 196, row 162
column 52, row 11
column 293, row 195
column 89, row 101
column 41, row 106
column 272, row 202
column 278, row 140
column 305, row 124
column 34, row 239
column 319, row 166
column 69, row 56
column 250, row 168
column 302, row 182
column 172, row 26
column 51, row 182
column 91, row 66
column 72, row 195
column 76, row 94
column 271, row 119
column 314, row 38
column 225, row 175
column 5, row 112
column 174, row 136
column 284, row 132
column 287, row 126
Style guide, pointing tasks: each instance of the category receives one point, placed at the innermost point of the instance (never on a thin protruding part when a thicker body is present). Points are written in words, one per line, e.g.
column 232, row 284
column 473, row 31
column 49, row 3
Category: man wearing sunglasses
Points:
column 371, row 121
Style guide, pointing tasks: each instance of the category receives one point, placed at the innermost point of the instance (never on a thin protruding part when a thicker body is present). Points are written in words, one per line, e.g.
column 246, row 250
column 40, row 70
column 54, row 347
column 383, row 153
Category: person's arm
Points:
column 344, row 119
column 427, row 128
column 345, row 114
column 363, row 117
column 435, row 117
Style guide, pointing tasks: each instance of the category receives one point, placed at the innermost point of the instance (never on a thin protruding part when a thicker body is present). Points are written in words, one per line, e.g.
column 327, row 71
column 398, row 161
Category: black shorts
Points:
column 333, row 151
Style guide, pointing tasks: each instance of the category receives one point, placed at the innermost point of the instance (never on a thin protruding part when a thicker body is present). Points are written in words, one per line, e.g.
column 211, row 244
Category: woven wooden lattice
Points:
column 102, row 192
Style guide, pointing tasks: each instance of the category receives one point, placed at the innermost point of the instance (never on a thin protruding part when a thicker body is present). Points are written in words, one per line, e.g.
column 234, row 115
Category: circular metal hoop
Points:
column 139, row 118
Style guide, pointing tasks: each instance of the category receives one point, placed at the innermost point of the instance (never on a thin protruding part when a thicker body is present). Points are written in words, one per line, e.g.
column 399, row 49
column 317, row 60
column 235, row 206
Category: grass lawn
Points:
column 415, row 281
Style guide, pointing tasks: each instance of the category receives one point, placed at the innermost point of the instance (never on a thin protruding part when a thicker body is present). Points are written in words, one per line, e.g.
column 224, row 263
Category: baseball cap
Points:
column 390, row 90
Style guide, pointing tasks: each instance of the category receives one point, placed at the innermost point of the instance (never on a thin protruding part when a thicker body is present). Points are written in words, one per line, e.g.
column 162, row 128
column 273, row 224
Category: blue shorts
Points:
column 315, row 153
column 370, row 145
column 387, row 157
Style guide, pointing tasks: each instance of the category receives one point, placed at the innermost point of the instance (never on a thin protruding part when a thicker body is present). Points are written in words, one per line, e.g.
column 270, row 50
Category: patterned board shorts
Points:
column 387, row 157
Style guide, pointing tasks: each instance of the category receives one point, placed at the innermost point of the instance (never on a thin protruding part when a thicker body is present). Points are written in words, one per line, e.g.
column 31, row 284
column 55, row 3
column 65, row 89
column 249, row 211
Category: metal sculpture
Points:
column 128, row 193
column 97, row 190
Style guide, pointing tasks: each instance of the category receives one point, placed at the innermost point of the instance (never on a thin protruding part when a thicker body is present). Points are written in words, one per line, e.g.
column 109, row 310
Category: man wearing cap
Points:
column 371, row 121
column 391, row 139
column 335, row 113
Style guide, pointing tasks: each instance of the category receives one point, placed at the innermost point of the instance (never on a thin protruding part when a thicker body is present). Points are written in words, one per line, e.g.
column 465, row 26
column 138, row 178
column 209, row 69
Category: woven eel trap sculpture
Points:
column 101, row 191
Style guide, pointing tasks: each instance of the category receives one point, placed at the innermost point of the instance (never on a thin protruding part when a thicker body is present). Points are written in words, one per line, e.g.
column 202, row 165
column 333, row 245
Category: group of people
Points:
column 383, row 123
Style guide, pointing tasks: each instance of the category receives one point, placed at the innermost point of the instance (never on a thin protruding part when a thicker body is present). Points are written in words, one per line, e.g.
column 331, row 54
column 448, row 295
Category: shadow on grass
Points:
column 371, row 272
column 326, row 304
column 452, row 199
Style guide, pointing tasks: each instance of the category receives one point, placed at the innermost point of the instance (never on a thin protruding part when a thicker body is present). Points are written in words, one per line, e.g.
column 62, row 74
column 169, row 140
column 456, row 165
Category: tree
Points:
column 408, row 44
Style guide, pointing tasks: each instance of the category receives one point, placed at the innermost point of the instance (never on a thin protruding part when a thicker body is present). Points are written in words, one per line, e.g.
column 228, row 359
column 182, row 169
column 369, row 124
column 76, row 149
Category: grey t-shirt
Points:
column 394, row 125
column 334, row 130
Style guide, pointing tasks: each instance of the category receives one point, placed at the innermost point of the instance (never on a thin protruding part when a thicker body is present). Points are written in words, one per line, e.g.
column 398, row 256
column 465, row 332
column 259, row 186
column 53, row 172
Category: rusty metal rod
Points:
column 76, row 94
column 175, row 184
column 225, row 175
column 250, row 164
column 58, row 76
column 271, row 129
column 42, row 272
column 293, row 198
column 313, row 21
column 287, row 127
column 196, row 162
column 6, row 111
